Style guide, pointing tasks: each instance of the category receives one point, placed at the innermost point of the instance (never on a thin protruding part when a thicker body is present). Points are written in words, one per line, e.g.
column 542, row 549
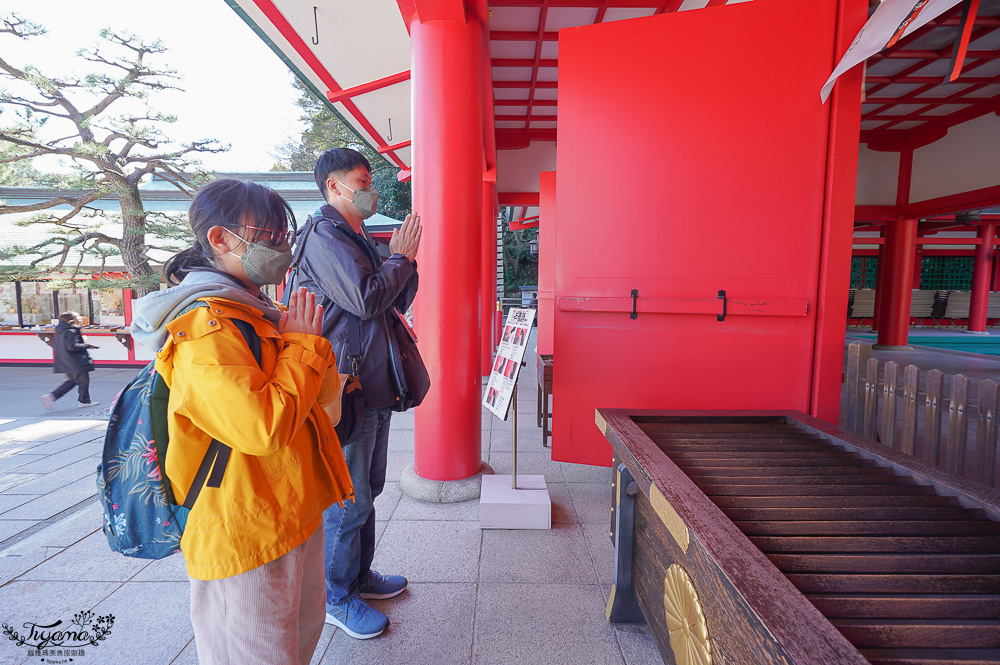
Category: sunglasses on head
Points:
column 278, row 236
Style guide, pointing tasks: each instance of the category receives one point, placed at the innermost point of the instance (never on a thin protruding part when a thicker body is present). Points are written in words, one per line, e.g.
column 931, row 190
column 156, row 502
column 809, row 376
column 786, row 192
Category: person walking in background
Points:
column 253, row 542
column 72, row 358
column 360, row 293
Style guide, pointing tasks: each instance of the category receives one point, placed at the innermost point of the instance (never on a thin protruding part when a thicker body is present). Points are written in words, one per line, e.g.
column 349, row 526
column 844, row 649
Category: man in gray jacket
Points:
column 360, row 293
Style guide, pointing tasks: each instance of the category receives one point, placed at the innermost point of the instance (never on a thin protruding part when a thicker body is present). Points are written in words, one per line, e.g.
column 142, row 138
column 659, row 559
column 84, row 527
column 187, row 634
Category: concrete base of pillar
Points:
column 443, row 491
column 891, row 347
column 975, row 332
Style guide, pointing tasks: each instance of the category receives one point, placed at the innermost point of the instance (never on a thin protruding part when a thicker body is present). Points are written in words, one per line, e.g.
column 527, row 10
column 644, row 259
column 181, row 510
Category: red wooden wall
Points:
column 694, row 155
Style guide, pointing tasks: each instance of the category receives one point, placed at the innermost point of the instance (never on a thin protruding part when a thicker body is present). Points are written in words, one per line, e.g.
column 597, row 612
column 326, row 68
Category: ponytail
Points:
column 180, row 264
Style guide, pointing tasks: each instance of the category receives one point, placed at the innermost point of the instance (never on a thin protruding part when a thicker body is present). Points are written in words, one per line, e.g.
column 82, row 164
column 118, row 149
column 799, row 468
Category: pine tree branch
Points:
column 78, row 202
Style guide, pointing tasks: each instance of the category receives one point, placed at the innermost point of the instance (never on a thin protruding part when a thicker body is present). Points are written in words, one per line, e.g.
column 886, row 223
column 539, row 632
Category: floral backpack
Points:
column 141, row 517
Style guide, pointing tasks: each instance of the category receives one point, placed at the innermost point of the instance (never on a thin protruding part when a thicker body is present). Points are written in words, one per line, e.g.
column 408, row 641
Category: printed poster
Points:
column 507, row 365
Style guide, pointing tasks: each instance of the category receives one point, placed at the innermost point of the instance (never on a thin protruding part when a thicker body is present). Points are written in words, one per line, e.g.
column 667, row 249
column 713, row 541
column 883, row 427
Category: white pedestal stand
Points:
column 515, row 502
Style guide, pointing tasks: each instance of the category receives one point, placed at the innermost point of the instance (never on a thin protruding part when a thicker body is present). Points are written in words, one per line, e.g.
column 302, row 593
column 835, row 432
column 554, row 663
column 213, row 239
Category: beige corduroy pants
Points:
column 271, row 615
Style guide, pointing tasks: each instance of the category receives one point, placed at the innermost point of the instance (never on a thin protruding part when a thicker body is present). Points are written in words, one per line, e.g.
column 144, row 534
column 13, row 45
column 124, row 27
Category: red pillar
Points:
column 981, row 272
column 880, row 283
column 546, row 261
column 447, row 101
column 901, row 251
column 487, row 305
column 996, row 273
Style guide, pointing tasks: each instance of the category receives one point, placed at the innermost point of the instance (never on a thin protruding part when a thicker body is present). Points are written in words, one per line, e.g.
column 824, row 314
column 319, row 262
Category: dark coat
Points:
column 70, row 351
column 348, row 276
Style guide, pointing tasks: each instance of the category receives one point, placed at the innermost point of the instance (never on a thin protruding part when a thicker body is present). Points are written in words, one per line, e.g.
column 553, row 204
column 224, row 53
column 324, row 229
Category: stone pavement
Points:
column 484, row 597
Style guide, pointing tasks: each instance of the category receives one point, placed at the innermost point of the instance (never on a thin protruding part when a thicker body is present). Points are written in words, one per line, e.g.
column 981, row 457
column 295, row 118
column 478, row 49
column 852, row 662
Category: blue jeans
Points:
column 350, row 531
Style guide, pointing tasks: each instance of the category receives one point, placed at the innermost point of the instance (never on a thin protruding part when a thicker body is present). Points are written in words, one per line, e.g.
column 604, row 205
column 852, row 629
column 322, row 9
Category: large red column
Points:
column 447, row 100
column 546, row 261
column 901, row 251
column 880, row 282
column 982, row 268
column 488, row 305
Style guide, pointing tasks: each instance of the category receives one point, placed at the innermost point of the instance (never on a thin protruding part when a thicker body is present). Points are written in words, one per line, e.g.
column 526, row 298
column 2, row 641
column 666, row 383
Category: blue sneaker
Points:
column 377, row 586
column 357, row 619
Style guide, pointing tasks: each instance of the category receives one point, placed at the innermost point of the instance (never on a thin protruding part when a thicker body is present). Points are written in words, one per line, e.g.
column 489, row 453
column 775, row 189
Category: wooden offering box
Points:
column 773, row 537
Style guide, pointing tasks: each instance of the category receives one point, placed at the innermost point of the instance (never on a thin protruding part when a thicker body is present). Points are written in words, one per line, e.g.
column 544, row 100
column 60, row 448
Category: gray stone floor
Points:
column 485, row 597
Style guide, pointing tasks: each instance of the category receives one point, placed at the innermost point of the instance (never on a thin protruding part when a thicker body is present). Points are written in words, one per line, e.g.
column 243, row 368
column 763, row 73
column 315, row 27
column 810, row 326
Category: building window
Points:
column 946, row 273
column 36, row 303
column 8, row 304
column 864, row 272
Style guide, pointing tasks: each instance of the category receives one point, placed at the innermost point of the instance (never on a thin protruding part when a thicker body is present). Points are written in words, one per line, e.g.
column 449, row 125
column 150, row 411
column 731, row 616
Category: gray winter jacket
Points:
column 349, row 277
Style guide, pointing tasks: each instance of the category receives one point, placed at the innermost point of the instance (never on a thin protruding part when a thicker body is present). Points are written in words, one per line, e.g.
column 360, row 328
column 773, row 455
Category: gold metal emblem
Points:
column 685, row 621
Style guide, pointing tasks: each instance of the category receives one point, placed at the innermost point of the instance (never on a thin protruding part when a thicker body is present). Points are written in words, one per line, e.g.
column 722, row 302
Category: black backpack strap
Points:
column 293, row 269
column 217, row 457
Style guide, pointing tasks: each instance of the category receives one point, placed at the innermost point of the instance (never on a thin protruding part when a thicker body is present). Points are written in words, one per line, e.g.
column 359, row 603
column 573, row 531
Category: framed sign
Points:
column 507, row 365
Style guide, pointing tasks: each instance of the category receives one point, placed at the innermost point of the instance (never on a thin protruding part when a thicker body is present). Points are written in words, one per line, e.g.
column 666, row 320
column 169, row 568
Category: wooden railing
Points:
column 924, row 414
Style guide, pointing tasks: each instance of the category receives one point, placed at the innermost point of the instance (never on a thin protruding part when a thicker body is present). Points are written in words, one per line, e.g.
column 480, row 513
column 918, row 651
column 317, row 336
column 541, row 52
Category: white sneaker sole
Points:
column 381, row 596
column 358, row 636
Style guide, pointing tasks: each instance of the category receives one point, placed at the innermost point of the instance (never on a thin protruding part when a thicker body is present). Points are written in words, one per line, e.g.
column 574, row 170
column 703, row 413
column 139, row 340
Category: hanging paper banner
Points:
column 892, row 21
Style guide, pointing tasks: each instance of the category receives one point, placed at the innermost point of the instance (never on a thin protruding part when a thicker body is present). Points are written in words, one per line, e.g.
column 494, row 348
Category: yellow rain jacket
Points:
column 286, row 465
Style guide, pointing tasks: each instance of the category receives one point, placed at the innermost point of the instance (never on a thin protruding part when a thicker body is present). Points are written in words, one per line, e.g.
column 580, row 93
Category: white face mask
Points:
column 262, row 264
column 364, row 199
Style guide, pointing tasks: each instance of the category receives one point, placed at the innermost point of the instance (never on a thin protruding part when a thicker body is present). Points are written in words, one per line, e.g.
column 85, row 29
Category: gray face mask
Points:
column 262, row 264
column 364, row 200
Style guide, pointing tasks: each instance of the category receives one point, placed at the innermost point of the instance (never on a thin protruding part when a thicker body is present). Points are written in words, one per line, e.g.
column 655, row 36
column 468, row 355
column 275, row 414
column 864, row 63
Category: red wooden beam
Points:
column 347, row 93
column 934, row 55
column 969, row 9
column 601, row 12
column 523, row 102
column 525, row 62
column 528, row 199
column 524, row 118
column 521, row 36
column 514, row 85
column 515, row 139
column 668, row 7
column 543, row 15
column 987, row 197
column 279, row 21
column 395, row 146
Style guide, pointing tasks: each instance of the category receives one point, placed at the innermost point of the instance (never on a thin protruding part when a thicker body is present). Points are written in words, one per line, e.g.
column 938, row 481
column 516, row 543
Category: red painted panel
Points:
column 546, row 259
column 681, row 204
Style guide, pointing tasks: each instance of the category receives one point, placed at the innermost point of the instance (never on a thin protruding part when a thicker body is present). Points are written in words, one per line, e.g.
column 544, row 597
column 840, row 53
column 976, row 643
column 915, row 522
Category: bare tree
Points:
column 71, row 118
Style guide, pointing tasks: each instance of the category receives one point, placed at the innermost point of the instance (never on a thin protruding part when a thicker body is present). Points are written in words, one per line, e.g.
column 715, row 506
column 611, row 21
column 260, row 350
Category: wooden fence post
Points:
column 931, row 447
column 986, row 433
column 958, row 425
column 889, row 404
column 871, row 398
column 858, row 354
column 911, row 383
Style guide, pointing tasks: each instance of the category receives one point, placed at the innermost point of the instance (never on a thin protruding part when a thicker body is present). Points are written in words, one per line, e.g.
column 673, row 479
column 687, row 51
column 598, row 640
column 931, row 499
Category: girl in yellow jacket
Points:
column 253, row 544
